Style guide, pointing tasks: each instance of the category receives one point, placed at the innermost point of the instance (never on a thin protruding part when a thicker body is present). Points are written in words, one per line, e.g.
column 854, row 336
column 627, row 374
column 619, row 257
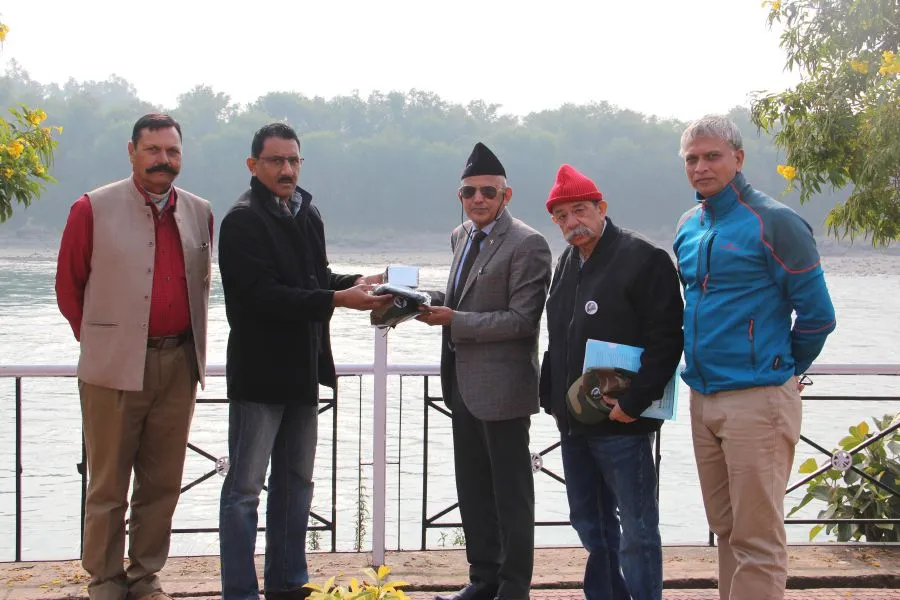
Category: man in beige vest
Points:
column 133, row 281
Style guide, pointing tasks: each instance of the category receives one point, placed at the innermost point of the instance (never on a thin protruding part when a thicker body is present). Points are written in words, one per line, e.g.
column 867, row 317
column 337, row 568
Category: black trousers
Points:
column 495, row 486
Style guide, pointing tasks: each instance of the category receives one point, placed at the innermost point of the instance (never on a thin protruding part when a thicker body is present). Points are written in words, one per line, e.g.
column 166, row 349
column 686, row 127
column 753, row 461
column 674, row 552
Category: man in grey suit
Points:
column 490, row 316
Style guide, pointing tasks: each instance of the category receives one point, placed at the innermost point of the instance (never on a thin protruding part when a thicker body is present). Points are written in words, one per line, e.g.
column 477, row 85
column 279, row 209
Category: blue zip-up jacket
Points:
column 746, row 263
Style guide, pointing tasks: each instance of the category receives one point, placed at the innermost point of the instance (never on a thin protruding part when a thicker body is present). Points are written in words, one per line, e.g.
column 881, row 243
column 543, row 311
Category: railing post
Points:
column 18, row 469
column 379, row 450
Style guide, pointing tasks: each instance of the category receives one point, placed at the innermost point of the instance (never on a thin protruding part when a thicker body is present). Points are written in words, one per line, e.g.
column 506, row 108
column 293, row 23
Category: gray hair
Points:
column 714, row 126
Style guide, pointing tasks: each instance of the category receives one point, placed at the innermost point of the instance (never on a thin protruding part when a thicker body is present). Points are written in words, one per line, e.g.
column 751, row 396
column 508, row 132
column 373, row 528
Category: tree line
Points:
column 385, row 164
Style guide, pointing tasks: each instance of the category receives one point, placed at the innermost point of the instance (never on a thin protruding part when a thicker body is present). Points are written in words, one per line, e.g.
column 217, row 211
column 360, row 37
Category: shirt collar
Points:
column 149, row 201
column 487, row 229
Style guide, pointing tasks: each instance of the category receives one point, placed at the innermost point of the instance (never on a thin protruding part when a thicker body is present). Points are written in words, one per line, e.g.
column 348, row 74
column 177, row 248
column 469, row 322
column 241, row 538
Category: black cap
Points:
column 482, row 162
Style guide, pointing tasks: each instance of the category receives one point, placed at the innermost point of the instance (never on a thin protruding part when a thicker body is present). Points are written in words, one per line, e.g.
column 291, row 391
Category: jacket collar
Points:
column 728, row 198
column 267, row 198
column 502, row 222
column 607, row 239
column 491, row 243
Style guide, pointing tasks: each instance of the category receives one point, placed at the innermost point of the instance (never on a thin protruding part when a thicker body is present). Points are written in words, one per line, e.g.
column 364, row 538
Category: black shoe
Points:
column 300, row 593
column 473, row 591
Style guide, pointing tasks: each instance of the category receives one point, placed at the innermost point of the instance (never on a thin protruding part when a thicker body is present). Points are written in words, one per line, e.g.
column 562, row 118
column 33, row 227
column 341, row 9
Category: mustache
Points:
column 285, row 179
column 580, row 230
column 163, row 168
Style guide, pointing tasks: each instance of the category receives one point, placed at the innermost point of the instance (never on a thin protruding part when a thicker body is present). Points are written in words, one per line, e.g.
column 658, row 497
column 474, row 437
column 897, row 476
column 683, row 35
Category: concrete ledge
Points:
column 684, row 567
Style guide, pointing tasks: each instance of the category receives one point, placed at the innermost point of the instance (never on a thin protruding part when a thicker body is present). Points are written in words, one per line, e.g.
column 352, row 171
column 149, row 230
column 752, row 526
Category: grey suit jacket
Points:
column 495, row 328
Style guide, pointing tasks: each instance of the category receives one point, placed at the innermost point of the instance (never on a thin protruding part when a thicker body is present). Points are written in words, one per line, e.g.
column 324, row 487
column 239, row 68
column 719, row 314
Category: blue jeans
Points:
column 256, row 433
column 605, row 474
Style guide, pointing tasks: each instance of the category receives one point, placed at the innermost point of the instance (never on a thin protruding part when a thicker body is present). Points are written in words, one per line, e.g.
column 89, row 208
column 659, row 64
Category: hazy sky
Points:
column 663, row 57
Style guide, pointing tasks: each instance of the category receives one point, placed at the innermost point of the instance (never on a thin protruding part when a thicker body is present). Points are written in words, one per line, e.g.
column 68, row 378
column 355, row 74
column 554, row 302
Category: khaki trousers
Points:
column 744, row 443
column 145, row 432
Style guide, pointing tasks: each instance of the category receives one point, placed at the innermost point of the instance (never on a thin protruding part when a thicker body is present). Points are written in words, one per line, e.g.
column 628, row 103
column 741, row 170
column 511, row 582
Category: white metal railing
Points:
column 380, row 369
column 218, row 370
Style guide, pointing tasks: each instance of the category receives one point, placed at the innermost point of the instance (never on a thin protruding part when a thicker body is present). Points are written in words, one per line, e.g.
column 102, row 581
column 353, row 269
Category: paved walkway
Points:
column 823, row 572
column 826, row 594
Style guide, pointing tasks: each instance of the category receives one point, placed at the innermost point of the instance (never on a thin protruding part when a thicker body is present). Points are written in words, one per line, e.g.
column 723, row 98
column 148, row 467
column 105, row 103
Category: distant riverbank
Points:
column 433, row 248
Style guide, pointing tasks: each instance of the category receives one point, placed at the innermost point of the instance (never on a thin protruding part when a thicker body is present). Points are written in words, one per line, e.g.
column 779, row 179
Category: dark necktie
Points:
column 471, row 255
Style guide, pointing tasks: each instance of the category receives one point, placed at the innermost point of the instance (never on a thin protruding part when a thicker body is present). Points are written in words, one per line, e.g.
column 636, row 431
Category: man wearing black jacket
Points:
column 610, row 285
column 279, row 298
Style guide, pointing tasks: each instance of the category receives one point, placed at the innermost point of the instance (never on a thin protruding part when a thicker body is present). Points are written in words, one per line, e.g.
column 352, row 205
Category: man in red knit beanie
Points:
column 610, row 285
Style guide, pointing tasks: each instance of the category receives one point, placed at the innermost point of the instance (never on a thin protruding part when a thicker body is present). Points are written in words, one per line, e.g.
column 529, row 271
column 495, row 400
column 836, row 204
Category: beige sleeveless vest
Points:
column 117, row 296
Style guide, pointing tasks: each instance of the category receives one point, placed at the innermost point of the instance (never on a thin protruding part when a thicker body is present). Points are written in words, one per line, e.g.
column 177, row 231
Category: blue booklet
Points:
column 607, row 355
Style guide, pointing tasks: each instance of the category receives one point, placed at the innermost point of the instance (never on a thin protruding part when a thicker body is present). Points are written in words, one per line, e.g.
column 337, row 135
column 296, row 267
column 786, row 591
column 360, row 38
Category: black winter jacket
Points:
column 638, row 302
column 278, row 299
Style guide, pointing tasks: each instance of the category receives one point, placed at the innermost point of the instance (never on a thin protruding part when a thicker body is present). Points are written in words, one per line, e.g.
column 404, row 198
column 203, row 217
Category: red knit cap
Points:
column 571, row 186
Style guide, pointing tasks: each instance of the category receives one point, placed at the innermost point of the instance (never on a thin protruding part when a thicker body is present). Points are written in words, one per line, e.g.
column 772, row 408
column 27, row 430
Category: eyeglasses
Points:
column 278, row 161
column 489, row 192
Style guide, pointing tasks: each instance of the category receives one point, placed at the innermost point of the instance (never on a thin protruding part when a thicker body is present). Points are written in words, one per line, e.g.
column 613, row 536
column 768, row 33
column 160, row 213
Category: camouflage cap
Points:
column 404, row 307
column 585, row 395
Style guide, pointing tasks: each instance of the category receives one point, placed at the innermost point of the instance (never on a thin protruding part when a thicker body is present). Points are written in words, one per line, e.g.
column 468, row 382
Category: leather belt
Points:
column 168, row 341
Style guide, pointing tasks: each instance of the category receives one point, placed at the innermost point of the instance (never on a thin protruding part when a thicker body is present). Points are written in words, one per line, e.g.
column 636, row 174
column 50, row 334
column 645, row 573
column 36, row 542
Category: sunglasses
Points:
column 487, row 191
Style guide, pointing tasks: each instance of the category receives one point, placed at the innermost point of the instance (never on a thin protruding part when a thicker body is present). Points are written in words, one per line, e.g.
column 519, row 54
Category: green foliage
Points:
column 26, row 153
column 362, row 517
column 314, row 540
column 377, row 587
column 459, row 537
column 385, row 163
column 850, row 496
column 841, row 125
column 456, row 538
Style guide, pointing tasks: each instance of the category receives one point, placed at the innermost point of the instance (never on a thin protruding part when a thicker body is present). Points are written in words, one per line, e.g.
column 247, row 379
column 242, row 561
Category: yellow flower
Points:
column 890, row 64
column 3, row 31
column 58, row 129
column 787, row 171
column 860, row 66
column 36, row 117
column 776, row 5
column 8, row 173
column 39, row 169
column 15, row 149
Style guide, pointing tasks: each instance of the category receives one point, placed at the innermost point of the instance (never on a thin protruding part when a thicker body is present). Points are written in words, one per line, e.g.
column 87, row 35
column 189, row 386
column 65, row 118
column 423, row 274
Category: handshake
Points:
column 390, row 296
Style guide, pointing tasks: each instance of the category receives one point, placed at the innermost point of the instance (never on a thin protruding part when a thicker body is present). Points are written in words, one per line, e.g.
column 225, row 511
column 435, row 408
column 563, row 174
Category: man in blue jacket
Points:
column 746, row 263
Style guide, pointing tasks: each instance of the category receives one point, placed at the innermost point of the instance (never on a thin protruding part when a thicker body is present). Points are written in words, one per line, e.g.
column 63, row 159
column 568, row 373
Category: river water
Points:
column 866, row 293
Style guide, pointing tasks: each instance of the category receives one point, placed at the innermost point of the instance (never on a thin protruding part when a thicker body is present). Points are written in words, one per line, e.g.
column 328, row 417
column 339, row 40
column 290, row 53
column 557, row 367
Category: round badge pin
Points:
column 591, row 307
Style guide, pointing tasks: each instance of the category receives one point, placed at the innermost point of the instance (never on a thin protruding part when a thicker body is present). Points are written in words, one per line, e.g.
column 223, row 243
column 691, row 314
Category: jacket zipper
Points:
column 752, row 344
column 705, row 281
column 569, row 337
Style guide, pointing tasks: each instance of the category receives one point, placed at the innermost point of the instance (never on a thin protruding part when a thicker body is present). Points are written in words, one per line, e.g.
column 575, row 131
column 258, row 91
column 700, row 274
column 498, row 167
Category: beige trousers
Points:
column 145, row 432
column 744, row 443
